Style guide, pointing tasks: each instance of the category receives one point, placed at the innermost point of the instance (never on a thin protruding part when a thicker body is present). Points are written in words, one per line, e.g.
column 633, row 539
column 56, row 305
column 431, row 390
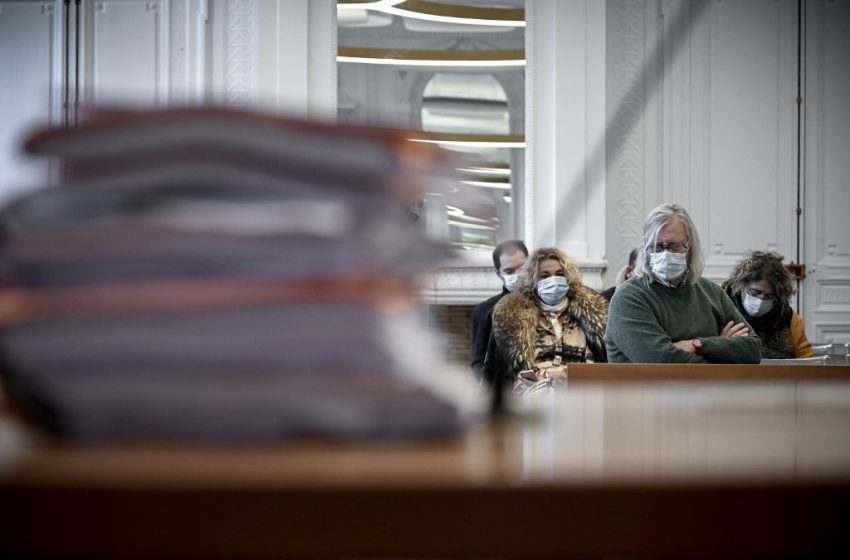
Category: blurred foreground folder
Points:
column 356, row 158
column 213, row 275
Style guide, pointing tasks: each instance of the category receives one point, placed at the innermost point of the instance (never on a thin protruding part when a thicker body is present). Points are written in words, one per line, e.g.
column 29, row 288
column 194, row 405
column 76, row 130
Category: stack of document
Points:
column 214, row 275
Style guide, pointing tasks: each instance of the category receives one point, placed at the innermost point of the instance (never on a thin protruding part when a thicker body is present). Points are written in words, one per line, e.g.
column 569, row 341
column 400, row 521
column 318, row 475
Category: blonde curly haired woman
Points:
column 549, row 320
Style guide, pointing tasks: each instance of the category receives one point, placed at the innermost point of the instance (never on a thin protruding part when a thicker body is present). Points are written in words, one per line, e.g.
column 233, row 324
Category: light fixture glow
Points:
column 493, row 171
column 469, row 219
column 470, row 226
column 471, row 143
column 454, row 210
column 379, row 5
column 452, row 19
column 488, row 184
column 440, row 63
column 389, row 7
column 352, row 16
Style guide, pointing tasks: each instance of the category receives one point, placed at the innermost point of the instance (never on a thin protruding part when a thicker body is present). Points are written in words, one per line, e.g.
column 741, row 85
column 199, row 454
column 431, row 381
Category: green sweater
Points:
column 646, row 319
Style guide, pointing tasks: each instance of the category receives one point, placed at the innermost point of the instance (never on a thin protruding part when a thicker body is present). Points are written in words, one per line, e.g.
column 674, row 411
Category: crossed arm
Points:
column 644, row 329
column 730, row 330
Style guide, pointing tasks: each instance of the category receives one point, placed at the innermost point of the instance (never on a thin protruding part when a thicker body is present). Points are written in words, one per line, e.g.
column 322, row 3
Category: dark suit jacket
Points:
column 482, row 326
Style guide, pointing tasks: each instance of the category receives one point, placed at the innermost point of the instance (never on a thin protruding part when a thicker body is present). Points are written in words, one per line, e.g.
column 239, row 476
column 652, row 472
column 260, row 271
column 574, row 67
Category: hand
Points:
column 527, row 376
column 686, row 345
column 559, row 372
column 734, row 329
column 540, row 374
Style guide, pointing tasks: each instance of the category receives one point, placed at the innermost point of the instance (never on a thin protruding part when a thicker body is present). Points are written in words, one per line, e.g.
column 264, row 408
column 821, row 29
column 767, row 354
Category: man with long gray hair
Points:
column 667, row 312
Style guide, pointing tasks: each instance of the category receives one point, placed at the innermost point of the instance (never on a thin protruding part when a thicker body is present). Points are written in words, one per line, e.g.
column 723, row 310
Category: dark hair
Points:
column 761, row 265
column 633, row 257
column 510, row 247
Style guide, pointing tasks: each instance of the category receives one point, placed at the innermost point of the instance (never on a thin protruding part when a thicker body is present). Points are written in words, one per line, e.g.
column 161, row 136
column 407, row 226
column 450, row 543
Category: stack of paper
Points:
column 212, row 275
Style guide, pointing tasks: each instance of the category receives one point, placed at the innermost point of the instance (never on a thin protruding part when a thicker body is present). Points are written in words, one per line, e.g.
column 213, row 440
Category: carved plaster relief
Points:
column 472, row 285
column 241, row 53
column 628, row 128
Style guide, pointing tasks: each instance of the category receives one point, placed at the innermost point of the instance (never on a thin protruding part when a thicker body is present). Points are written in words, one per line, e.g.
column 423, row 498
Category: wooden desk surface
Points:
column 737, row 468
column 707, row 372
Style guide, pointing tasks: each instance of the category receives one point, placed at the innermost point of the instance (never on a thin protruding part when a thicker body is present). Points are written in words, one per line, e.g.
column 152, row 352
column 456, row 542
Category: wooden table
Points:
column 658, row 467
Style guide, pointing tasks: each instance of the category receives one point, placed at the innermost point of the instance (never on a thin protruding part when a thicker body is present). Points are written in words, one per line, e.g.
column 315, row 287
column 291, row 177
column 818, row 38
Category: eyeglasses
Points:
column 761, row 295
column 672, row 247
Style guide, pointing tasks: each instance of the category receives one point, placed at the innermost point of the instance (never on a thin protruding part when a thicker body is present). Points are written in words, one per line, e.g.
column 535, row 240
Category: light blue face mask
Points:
column 756, row 307
column 510, row 281
column 668, row 267
column 553, row 290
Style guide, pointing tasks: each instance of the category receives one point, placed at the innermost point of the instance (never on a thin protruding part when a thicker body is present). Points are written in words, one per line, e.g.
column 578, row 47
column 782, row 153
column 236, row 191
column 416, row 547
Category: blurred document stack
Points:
column 213, row 275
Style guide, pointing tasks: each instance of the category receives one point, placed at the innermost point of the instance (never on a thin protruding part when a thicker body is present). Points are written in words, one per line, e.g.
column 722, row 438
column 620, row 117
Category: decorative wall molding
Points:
column 31, row 82
column 469, row 285
column 836, row 293
column 626, row 141
column 241, row 53
column 126, row 52
column 460, row 286
column 829, row 333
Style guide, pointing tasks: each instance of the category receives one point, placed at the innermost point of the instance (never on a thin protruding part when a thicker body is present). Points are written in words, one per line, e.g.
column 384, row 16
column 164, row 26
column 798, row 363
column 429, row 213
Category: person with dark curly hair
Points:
column 761, row 288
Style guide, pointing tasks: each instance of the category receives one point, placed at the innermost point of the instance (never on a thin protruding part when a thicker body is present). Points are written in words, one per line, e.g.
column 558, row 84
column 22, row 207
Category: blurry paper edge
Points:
column 24, row 305
column 105, row 135
column 452, row 384
column 815, row 360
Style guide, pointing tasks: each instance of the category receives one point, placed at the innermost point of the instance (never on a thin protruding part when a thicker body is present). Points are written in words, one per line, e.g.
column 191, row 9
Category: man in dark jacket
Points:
column 508, row 256
column 624, row 274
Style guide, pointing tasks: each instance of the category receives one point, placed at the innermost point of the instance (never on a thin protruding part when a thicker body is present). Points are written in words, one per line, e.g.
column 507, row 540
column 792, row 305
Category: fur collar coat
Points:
column 520, row 329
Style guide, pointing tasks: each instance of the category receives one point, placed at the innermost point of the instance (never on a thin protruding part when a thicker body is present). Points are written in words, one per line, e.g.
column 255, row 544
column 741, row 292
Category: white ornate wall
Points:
column 473, row 279
column 633, row 99
column 30, row 87
column 279, row 55
column 629, row 103
column 702, row 102
column 565, row 127
column 147, row 53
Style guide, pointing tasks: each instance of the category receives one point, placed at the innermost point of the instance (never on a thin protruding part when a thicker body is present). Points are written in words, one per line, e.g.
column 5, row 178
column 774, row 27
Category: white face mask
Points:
column 510, row 281
column 553, row 290
column 756, row 307
column 668, row 267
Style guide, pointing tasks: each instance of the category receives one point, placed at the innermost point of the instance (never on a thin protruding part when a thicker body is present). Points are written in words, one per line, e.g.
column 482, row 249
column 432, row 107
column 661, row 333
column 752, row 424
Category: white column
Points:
column 296, row 57
column 187, row 77
column 825, row 292
column 565, row 127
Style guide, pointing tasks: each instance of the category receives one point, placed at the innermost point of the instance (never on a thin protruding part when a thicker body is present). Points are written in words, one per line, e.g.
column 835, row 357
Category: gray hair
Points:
column 657, row 219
